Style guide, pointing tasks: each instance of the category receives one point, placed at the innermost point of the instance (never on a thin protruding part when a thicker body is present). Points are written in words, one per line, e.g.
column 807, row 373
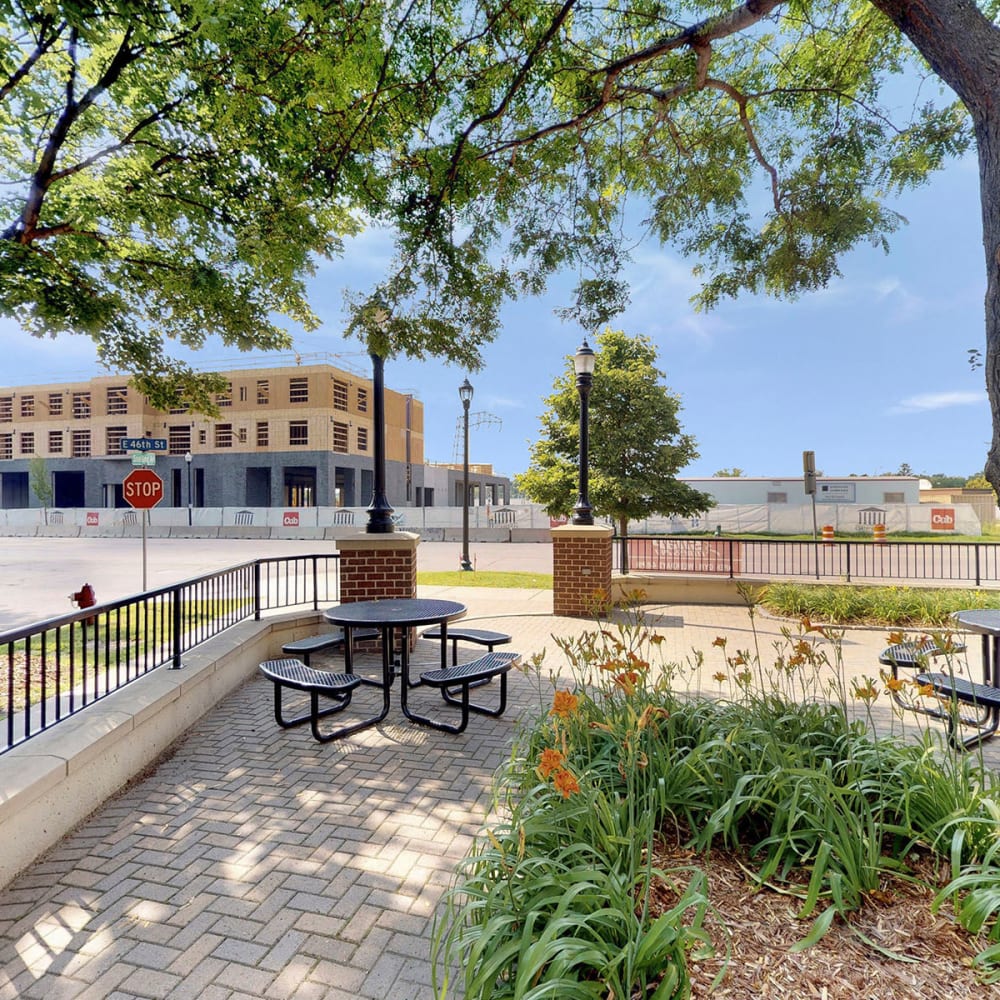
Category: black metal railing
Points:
column 57, row 667
column 973, row 563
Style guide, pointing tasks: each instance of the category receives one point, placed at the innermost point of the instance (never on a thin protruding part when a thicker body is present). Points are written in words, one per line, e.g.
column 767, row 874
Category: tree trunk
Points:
column 963, row 49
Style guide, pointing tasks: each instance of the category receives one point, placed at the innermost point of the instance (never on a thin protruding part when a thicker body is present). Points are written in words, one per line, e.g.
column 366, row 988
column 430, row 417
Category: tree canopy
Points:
column 636, row 444
column 175, row 170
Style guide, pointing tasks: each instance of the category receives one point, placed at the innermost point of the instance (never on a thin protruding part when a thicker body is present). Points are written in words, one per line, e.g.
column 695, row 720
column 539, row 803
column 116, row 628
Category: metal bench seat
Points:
column 984, row 697
column 292, row 673
column 480, row 636
column 462, row 677
column 325, row 640
column 916, row 654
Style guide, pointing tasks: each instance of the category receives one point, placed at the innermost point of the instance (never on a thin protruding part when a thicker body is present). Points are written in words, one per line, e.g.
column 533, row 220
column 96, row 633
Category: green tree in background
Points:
column 980, row 482
column 41, row 483
column 733, row 473
column 636, row 444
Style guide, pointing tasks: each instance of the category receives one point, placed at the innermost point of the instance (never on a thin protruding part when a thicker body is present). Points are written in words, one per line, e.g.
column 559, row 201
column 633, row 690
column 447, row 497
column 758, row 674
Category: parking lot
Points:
column 37, row 575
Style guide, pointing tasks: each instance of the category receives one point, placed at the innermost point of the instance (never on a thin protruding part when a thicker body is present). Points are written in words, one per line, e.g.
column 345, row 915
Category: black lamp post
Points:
column 379, row 510
column 188, row 457
column 465, row 395
column 583, row 361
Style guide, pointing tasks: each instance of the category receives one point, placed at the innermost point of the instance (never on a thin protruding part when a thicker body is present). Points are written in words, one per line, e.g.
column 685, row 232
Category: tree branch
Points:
column 24, row 228
column 43, row 43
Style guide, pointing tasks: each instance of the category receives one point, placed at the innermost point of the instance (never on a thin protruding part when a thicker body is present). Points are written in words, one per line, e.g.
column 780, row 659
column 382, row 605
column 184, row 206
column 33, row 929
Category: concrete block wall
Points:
column 581, row 567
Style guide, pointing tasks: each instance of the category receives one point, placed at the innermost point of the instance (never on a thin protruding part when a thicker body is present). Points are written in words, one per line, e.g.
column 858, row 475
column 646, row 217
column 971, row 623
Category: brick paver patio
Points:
column 253, row 862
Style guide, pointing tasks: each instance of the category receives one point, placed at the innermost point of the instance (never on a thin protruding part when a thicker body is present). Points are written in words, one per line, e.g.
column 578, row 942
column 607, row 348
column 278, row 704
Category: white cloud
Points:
column 937, row 401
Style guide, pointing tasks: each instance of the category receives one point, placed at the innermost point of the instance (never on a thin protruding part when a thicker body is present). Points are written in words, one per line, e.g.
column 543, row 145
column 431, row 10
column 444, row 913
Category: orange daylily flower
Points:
column 550, row 761
column 627, row 681
column 565, row 784
column 564, row 703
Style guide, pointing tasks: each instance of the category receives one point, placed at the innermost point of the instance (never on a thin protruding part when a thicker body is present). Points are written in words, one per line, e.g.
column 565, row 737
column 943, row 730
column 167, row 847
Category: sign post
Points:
column 809, row 484
column 143, row 490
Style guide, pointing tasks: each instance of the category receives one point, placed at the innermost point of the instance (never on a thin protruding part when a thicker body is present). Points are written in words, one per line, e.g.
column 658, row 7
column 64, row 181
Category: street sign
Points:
column 142, row 489
column 143, row 458
column 143, row 444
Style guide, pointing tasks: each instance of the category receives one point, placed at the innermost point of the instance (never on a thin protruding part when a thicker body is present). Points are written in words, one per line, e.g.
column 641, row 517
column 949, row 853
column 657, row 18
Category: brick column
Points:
column 374, row 566
column 581, row 566
column 378, row 566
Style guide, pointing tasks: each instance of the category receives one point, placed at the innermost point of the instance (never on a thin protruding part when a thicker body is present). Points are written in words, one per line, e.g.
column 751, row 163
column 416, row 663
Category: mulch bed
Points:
column 754, row 929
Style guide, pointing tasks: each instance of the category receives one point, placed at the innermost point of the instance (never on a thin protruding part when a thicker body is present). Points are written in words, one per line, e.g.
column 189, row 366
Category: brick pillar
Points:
column 378, row 566
column 581, row 566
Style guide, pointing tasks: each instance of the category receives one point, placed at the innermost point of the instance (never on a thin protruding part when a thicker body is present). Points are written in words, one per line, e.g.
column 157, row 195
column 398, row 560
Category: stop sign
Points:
column 142, row 488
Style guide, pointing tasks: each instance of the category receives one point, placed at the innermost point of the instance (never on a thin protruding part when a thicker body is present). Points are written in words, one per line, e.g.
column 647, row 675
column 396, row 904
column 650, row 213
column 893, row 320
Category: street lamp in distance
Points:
column 583, row 362
column 465, row 395
column 188, row 458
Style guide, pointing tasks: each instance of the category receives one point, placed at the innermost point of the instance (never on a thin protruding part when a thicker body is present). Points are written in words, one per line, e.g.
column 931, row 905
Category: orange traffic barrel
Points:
column 878, row 532
column 827, row 532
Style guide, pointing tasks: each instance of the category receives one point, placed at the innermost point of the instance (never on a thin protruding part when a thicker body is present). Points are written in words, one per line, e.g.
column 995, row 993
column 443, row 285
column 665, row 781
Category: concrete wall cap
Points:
column 593, row 531
column 391, row 540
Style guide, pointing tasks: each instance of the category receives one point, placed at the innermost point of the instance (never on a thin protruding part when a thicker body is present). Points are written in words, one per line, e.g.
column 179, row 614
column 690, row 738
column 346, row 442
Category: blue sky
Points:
column 869, row 373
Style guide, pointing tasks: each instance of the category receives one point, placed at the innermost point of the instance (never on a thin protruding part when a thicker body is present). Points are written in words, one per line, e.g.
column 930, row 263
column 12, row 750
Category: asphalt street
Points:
column 37, row 575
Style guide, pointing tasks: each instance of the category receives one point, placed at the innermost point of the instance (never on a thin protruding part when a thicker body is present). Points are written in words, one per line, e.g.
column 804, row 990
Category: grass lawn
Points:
column 476, row 578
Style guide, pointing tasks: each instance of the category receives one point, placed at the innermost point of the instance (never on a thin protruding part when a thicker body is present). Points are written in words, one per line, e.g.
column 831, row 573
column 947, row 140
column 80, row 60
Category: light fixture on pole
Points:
column 188, row 457
column 583, row 362
column 465, row 395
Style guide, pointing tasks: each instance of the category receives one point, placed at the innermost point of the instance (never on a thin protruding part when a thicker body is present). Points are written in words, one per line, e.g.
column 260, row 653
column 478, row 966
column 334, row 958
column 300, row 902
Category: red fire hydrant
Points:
column 84, row 597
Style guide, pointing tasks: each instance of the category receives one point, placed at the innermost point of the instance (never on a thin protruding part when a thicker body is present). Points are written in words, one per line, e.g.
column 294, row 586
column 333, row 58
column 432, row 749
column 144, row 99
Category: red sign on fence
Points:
column 142, row 489
column 93, row 519
column 290, row 519
column 942, row 519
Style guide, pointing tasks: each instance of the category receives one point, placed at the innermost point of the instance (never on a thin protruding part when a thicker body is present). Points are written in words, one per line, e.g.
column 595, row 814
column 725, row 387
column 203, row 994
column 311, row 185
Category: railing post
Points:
column 732, row 574
column 848, row 544
column 256, row 590
column 977, row 564
column 624, row 556
column 315, row 562
column 175, row 663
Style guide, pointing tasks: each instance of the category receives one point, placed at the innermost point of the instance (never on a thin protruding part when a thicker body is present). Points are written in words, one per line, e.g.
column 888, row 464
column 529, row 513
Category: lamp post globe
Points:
column 583, row 362
column 465, row 395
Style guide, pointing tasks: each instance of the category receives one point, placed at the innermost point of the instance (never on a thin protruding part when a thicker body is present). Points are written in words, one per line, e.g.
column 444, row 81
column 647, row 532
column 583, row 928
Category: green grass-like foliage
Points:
column 485, row 578
column 554, row 901
column 889, row 606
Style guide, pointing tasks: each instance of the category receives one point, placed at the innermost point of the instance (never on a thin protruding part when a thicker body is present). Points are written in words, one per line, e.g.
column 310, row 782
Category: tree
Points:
column 979, row 482
column 733, row 473
column 636, row 444
column 756, row 132
column 41, row 483
column 173, row 170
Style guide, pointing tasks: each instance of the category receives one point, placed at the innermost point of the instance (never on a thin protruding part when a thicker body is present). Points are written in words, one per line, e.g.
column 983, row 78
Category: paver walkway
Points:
column 253, row 862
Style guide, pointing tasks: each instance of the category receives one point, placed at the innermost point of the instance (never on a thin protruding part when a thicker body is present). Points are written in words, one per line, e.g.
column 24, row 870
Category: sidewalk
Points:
column 253, row 862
